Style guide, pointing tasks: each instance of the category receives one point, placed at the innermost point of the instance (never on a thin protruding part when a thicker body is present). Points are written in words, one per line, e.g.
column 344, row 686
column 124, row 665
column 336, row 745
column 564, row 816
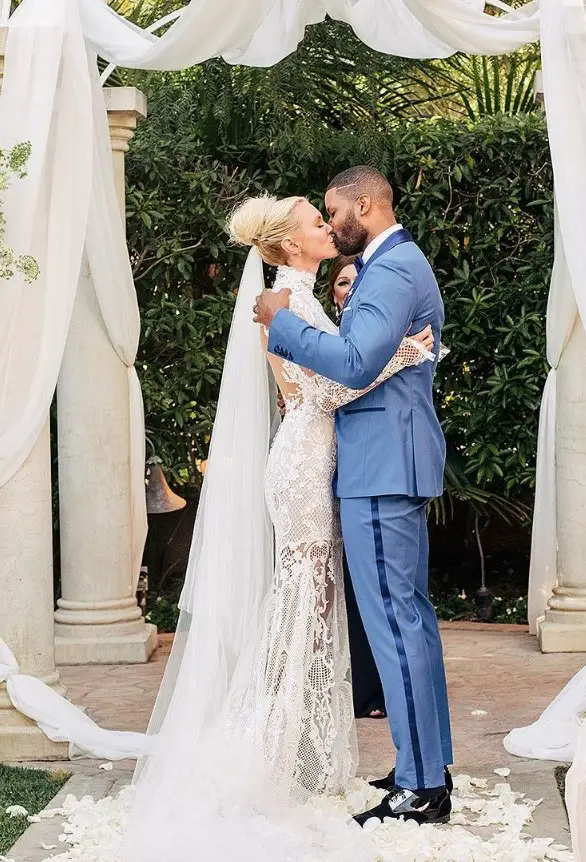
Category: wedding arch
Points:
column 77, row 327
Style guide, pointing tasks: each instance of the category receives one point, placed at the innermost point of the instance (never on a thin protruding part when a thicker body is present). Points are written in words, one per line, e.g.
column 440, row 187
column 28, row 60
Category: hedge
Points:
column 478, row 199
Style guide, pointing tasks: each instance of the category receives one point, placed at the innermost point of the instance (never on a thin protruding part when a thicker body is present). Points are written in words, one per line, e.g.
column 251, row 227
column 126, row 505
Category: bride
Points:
column 255, row 716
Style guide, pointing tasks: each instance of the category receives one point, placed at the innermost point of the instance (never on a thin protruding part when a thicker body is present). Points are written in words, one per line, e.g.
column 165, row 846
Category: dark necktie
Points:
column 358, row 263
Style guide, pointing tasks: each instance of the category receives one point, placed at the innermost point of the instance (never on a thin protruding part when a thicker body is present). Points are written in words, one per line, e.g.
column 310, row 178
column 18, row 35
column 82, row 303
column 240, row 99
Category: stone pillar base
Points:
column 104, row 645
column 21, row 739
column 561, row 635
column 28, row 743
column 563, row 628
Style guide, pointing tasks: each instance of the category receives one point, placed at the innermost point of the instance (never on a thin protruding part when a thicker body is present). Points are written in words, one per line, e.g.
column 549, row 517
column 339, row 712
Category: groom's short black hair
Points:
column 363, row 180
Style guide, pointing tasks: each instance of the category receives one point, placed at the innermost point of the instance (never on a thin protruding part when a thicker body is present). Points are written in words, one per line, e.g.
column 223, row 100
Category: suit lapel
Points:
column 396, row 238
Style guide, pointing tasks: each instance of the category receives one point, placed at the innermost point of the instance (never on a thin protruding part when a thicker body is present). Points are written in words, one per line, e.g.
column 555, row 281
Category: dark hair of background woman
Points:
column 336, row 268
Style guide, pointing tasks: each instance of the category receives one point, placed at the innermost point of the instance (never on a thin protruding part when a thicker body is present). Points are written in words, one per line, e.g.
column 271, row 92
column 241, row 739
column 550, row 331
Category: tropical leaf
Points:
column 487, row 86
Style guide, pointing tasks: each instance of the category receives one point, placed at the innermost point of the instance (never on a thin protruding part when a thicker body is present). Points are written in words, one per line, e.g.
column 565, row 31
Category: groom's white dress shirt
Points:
column 378, row 241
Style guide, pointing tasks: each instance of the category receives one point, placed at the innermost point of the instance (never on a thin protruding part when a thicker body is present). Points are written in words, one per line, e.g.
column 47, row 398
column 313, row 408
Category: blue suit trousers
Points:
column 387, row 549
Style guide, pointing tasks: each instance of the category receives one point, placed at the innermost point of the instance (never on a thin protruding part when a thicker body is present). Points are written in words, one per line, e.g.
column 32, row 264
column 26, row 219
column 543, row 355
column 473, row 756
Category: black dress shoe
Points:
column 400, row 803
column 389, row 782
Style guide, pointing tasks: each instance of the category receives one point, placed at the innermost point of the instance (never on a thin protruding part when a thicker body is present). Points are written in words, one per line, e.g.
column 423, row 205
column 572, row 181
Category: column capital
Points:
column 128, row 100
column 125, row 106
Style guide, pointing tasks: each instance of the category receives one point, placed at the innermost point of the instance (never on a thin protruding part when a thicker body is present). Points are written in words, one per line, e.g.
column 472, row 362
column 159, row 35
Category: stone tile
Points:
column 497, row 669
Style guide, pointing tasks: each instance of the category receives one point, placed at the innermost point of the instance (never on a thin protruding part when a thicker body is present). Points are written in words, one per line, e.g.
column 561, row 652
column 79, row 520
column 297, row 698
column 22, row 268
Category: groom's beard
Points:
column 351, row 238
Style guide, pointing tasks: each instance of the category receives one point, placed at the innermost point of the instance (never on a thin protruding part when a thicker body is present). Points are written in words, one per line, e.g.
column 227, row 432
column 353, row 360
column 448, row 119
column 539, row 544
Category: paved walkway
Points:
column 497, row 670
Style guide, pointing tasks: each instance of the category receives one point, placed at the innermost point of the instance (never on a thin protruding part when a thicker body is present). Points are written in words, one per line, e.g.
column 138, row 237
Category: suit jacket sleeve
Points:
column 383, row 315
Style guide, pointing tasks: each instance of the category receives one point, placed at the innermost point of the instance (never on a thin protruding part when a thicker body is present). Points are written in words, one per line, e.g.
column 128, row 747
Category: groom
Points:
column 390, row 463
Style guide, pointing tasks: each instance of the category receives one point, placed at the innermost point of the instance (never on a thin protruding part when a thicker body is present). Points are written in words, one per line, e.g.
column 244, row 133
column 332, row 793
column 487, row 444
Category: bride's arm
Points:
column 330, row 395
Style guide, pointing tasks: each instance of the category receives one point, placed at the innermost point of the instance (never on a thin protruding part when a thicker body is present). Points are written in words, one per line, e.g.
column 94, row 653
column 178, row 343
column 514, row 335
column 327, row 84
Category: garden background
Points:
column 466, row 151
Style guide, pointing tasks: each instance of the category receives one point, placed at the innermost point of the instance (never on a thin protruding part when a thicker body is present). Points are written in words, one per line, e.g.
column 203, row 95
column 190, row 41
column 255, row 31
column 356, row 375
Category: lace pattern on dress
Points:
column 309, row 726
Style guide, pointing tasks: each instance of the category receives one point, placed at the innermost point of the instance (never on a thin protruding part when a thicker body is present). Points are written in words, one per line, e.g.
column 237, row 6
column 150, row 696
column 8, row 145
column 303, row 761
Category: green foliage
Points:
column 510, row 610
column 478, row 199
column 457, row 605
column 33, row 789
column 488, row 86
column 176, row 213
column 163, row 612
column 13, row 164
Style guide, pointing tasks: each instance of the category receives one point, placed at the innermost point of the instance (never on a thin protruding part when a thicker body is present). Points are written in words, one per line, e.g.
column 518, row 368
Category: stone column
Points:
column 26, row 587
column 564, row 627
column 98, row 620
column 125, row 105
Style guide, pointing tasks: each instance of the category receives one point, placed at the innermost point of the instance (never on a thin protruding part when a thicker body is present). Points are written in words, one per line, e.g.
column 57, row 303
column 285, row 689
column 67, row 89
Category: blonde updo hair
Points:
column 265, row 222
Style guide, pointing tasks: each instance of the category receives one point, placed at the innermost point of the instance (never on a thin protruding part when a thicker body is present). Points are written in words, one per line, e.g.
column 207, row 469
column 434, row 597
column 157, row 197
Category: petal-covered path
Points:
column 497, row 679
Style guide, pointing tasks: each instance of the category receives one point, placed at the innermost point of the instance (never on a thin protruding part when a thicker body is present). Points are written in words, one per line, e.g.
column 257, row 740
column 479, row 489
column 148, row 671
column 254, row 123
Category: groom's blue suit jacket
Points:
column 389, row 440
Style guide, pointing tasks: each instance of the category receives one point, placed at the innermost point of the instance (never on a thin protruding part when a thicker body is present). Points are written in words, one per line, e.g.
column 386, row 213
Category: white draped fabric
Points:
column 560, row 734
column 262, row 32
column 67, row 202
column 51, row 97
column 576, row 795
column 563, row 51
column 61, row 721
column 67, row 205
column 561, row 314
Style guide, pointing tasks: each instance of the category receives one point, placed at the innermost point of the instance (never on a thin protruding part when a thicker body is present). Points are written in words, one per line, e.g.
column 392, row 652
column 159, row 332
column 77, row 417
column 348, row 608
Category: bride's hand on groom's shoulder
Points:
column 268, row 304
column 425, row 338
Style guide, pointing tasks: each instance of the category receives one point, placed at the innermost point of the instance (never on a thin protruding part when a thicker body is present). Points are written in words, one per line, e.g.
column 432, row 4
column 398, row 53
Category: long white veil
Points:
column 226, row 588
column 228, row 579
column 231, row 560
column 206, row 789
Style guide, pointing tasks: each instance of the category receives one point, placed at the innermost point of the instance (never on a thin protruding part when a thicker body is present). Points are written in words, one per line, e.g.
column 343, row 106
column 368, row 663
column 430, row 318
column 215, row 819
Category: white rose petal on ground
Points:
column 479, row 712
column 503, row 771
column 16, row 811
column 92, row 831
column 458, row 819
column 48, row 813
column 107, row 767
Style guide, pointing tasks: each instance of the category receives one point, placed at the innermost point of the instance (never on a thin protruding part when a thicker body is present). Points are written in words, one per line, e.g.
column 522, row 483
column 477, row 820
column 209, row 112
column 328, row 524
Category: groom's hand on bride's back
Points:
column 268, row 304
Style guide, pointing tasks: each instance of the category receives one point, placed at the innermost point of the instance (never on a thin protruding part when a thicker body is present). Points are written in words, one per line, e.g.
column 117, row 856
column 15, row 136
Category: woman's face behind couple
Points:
column 342, row 275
